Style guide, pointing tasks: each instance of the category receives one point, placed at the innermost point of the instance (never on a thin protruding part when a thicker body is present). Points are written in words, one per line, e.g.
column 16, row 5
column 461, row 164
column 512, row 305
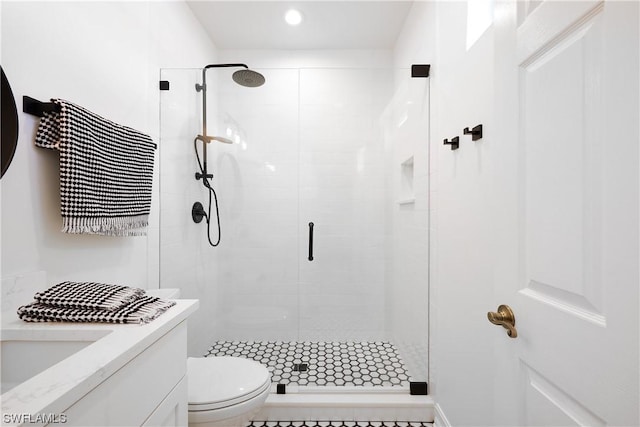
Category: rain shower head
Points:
column 248, row 78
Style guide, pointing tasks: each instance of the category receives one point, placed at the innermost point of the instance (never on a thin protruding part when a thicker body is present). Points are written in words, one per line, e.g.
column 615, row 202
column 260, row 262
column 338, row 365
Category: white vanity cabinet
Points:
column 149, row 390
column 119, row 375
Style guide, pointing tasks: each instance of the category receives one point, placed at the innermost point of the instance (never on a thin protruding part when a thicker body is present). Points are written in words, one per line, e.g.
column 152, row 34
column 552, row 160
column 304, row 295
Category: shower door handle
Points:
column 310, row 241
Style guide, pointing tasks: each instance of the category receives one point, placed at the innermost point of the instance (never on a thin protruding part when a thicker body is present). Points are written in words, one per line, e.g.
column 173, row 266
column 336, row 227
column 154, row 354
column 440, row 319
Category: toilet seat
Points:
column 220, row 382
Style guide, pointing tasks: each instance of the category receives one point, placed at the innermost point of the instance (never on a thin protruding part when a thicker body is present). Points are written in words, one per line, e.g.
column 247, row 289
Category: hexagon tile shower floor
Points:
column 322, row 363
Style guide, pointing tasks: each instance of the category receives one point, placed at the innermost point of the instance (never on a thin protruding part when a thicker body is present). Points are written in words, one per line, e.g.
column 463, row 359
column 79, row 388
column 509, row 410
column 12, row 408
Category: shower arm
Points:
column 203, row 88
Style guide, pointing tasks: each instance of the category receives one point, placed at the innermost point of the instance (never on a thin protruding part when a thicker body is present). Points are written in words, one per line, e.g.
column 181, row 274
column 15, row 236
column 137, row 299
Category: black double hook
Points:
column 475, row 132
column 454, row 143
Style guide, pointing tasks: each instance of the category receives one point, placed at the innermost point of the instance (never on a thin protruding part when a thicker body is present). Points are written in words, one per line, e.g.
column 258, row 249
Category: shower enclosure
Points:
column 322, row 268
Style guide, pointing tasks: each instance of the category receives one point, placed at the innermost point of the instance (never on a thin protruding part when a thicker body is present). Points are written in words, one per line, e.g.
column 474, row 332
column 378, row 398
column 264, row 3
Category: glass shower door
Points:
column 342, row 194
column 257, row 268
column 364, row 186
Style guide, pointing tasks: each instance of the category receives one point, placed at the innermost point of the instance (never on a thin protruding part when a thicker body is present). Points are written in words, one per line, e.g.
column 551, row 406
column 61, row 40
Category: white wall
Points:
column 461, row 282
column 462, row 276
column 107, row 57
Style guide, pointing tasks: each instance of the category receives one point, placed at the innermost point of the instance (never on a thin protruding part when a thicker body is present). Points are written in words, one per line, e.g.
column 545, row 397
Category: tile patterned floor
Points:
column 339, row 424
column 328, row 363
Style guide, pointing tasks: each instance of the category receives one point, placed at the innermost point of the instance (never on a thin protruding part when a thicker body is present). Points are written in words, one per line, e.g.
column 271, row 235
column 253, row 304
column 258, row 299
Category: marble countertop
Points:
column 112, row 346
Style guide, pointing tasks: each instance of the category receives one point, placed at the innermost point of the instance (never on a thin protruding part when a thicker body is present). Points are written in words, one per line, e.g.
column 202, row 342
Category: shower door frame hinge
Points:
column 164, row 84
column 420, row 70
column 418, row 388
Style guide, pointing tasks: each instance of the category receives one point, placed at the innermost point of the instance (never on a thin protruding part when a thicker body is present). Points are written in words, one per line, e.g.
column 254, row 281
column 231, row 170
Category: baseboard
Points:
column 440, row 419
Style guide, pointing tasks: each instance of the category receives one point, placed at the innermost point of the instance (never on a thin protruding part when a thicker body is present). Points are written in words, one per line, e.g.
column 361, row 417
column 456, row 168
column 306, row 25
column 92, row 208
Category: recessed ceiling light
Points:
column 293, row 17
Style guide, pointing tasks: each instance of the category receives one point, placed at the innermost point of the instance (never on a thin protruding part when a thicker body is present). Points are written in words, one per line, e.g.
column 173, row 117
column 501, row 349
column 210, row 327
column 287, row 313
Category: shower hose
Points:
column 212, row 192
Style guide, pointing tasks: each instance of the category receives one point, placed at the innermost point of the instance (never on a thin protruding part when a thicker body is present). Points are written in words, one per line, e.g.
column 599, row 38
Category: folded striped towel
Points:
column 88, row 295
column 142, row 310
column 106, row 171
column 93, row 302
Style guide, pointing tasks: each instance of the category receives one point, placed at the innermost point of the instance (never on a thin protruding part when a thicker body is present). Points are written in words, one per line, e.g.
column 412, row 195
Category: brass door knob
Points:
column 505, row 318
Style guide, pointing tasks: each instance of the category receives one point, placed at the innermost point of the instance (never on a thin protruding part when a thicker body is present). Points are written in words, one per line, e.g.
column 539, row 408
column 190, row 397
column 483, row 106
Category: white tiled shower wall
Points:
column 323, row 141
column 309, row 152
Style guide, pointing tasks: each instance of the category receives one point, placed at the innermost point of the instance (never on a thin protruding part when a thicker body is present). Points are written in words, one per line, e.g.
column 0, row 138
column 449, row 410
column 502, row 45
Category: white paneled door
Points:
column 567, row 222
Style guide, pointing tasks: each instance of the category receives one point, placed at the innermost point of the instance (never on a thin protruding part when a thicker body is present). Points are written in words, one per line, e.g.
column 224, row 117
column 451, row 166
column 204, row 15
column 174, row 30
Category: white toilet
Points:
column 225, row 391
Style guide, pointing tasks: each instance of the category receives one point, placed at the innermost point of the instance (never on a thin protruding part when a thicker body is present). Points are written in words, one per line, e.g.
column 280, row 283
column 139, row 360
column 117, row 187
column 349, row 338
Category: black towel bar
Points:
column 38, row 108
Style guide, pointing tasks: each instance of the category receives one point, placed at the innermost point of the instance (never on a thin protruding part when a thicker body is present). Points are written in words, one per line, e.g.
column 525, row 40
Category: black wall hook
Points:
column 476, row 132
column 38, row 108
column 455, row 143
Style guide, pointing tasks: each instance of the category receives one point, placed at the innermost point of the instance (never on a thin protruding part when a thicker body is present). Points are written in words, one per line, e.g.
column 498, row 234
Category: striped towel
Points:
column 142, row 310
column 88, row 295
column 93, row 302
column 106, row 171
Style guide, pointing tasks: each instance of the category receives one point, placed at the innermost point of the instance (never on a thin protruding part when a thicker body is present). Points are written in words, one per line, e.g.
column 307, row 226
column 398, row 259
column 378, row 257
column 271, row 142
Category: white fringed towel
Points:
column 106, row 171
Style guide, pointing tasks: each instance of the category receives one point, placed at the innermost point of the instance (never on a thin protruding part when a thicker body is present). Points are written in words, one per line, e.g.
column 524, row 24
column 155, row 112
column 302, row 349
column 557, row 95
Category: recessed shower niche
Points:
column 407, row 191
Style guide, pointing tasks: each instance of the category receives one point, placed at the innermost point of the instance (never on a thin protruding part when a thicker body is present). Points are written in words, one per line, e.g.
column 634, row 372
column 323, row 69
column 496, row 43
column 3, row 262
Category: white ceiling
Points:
column 325, row 25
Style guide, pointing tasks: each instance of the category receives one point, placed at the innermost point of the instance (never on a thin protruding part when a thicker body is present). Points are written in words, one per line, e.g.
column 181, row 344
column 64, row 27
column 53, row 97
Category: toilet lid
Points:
column 221, row 381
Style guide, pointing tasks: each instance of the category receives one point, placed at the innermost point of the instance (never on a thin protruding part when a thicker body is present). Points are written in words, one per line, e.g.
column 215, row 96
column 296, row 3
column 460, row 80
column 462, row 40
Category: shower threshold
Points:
column 342, row 381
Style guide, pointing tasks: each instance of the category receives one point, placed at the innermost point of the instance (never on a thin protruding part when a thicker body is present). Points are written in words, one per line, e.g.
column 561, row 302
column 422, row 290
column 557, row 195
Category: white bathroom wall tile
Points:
column 282, row 88
column 262, row 272
column 340, row 317
column 327, row 128
column 246, row 317
column 335, row 87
